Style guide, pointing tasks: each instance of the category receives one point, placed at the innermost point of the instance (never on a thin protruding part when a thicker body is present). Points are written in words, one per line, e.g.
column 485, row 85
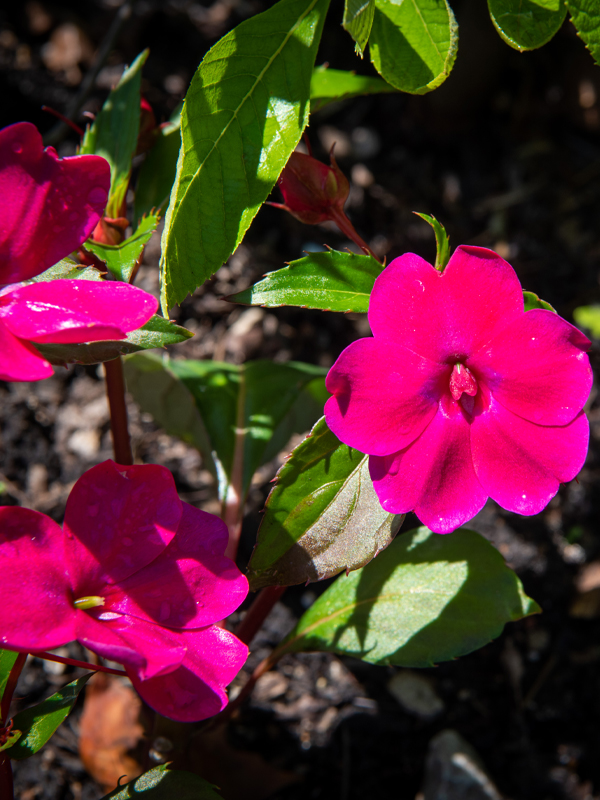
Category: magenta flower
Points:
column 461, row 395
column 48, row 208
column 137, row 576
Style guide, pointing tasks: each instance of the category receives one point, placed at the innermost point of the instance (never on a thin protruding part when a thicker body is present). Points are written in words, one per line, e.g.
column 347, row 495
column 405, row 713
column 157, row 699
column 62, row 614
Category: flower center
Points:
column 89, row 601
column 462, row 380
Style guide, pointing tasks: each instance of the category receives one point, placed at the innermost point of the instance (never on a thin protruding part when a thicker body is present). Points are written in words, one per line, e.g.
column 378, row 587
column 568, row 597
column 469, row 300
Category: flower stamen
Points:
column 462, row 380
column 89, row 601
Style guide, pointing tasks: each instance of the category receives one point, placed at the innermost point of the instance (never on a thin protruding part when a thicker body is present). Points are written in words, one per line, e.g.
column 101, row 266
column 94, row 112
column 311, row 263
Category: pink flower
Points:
column 137, row 576
column 48, row 208
column 460, row 394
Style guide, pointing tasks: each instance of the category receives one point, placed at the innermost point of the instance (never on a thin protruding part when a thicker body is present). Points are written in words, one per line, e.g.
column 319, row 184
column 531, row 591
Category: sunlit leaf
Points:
column 413, row 43
column 358, row 21
column 531, row 300
column 162, row 783
column 527, row 24
column 442, row 253
column 588, row 317
column 427, row 598
column 68, row 270
column 243, row 116
column 321, row 517
column 585, row 15
column 121, row 259
column 331, row 85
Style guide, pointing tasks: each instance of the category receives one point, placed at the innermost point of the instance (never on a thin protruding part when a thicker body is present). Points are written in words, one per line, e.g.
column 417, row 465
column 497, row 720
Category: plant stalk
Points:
column 258, row 612
column 347, row 228
column 75, row 663
column 115, row 391
column 7, row 789
column 11, row 685
column 233, row 505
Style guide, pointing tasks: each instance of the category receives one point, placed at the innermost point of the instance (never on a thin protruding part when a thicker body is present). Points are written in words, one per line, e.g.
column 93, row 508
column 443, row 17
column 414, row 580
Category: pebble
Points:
column 415, row 694
column 454, row 771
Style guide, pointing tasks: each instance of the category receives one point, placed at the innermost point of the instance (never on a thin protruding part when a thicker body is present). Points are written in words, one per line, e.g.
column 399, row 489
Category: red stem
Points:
column 347, row 228
column 258, row 612
column 83, row 664
column 115, row 391
column 7, row 791
column 11, row 685
column 79, row 131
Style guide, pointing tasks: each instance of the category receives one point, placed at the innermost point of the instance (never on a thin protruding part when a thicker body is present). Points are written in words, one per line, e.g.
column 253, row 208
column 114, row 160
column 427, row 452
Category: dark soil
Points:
column 507, row 155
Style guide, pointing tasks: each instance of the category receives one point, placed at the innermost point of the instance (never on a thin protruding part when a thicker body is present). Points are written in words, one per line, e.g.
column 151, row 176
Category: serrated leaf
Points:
column 321, row 517
column 413, row 43
column 121, row 259
column 37, row 724
column 7, row 660
column 585, row 16
column 331, row 85
column 427, row 598
column 243, row 116
column 157, row 173
column 531, row 300
column 330, row 281
column 68, row 270
column 114, row 132
column 237, row 415
column 162, row 783
column 358, row 21
column 588, row 317
column 442, row 252
column 527, row 24
column 157, row 332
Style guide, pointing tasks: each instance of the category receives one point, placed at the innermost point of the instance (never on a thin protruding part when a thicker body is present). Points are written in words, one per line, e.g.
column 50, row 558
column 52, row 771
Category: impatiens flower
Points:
column 48, row 208
column 460, row 395
column 137, row 576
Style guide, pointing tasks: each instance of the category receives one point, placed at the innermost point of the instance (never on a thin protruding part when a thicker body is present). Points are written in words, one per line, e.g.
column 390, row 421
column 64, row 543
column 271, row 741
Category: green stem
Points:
column 115, row 391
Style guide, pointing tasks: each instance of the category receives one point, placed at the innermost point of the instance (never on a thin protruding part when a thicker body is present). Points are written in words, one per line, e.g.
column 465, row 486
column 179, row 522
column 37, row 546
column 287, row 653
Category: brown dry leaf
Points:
column 109, row 728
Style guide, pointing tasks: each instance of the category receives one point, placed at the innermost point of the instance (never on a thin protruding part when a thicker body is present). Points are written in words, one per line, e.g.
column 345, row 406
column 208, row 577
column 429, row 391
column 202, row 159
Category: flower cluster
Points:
column 460, row 394
column 48, row 208
column 135, row 575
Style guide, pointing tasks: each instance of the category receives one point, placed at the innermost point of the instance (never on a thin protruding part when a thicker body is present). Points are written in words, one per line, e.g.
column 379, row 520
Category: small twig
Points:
column 56, row 133
column 75, row 663
column 115, row 391
column 347, row 228
column 258, row 612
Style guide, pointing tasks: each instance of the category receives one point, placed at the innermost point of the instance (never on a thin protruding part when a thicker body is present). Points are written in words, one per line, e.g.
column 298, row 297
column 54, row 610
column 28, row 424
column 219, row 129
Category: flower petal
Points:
column 521, row 464
column 148, row 650
column 20, row 361
column 48, row 205
column 191, row 584
column 118, row 519
column 384, row 395
column 196, row 690
column 66, row 311
column 445, row 316
column 537, row 367
column 434, row 476
column 36, row 604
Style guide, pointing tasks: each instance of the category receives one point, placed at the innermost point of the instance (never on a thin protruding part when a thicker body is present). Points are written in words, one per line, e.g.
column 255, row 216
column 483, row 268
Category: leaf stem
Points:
column 347, row 228
column 258, row 612
column 74, row 663
column 6, row 778
column 11, row 685
column 233, row 505
column 115, row 391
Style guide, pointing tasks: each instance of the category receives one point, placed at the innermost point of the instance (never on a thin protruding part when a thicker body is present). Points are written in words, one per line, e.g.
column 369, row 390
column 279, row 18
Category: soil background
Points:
column 507, row 155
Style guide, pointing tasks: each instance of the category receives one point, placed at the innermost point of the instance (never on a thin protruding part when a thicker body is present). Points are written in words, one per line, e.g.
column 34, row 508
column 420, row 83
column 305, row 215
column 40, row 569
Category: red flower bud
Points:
column 148, row 128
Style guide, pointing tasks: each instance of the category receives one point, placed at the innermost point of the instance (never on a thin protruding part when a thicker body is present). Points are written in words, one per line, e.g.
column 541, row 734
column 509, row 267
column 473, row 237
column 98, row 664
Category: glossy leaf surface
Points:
column 121, row 259
column 243, row 116
column 157, row 173
column 331, row 281
column 37, row 724
column 162, row 783
column 330, row 85
column 413, row 44
column 68, row 270
column 157, row 332
column 585, row 15
column 531, row 300
column 114, row 132
column 321, row 517
column 527, row 24
column 358, row 21
column 427, row 598
column 442, row 250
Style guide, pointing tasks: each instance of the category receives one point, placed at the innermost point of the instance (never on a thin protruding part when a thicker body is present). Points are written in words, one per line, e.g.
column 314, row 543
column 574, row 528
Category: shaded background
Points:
column 507, row 155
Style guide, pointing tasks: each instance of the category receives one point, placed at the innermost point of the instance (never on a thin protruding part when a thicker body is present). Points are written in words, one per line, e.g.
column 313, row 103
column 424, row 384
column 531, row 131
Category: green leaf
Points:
column 13, row 738
column 68, row 270
column 157, row 173
column 331, row 281
column 442, row 254
column 413, row 43
column 427, row 598
column 358, row 21
column 331, row 85
column 121, row 259
column 527, row 24
column 243, row 415
column 531, row 300
column 321, row 517
column 585, row 16
column 114, row 132
column 38, row 723
column 157, row 332
column 588, row 317
column 162, row 783
column 243, row 116
column 7, row 660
